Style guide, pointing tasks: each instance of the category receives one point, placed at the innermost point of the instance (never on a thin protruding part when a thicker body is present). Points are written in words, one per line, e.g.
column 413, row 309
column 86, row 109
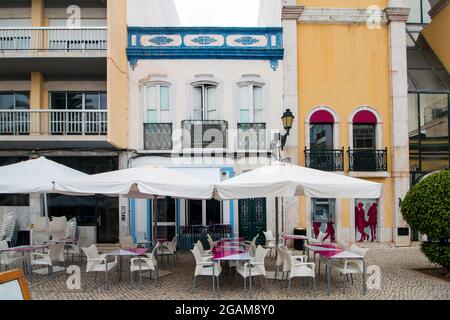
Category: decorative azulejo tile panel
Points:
column 205, row 43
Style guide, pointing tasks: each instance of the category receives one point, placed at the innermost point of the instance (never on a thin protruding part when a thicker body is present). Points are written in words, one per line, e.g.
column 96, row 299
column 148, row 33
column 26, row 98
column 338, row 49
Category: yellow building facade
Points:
column 349, row 77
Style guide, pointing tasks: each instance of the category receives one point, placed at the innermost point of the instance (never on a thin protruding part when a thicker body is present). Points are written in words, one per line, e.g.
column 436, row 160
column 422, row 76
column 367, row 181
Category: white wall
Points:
column 269, row 13
column 152, row 13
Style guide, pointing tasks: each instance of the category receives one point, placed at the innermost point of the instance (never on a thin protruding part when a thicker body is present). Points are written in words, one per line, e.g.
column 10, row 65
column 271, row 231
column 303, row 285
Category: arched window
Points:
column 364, row 130
column 321, row 130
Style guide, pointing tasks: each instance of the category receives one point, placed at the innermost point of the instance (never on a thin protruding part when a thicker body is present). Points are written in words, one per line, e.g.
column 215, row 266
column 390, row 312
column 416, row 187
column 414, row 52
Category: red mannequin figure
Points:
column 316, row 229
column 361, row 222
column 329, row 231
column 373, row 216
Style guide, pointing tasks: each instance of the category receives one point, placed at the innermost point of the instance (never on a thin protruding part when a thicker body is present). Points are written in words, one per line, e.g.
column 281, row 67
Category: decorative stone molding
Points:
column 340, row 16
column 441, row 5
column 292, row 12
column 397, row 14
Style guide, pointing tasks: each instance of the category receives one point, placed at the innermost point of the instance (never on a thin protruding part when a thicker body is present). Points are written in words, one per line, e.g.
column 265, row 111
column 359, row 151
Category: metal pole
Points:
column 276, row 221
column 45, row 205
column 154, row 221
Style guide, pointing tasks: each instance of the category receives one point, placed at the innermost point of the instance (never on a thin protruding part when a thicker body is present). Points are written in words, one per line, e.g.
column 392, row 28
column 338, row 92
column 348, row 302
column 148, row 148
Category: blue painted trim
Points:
column 149, row 219
column 165, row 46
column 230, row 171
column 133, row 219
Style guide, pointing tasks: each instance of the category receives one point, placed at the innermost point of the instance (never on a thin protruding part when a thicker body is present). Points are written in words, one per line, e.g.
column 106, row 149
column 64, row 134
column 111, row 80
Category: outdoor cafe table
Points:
column 127, row 252
column 233, row 254
column 26, row 250
column 333, row 253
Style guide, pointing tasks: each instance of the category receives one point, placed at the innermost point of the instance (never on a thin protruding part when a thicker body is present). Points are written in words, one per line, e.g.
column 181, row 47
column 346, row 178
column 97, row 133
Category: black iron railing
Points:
column 157, row 136
column 326, row 160
column 204, row 133
column 367, row 160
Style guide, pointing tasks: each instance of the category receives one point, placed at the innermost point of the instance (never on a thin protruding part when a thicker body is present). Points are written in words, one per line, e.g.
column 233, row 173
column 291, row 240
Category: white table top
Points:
column 235, row 257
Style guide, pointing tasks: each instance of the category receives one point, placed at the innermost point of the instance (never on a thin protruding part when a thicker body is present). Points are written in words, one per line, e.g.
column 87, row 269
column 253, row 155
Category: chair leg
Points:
column 106, row 280
column 289, row 284
column 344, row 283
column 85, row 280
column 245, row 284
column 95, row 278
column 351, row 277
column 276, row 272
column 218, row 286
column 193, row 284
column 131, row 280
column 314, row 285
column 157, row 277
column 265, row 285
column 140, row 278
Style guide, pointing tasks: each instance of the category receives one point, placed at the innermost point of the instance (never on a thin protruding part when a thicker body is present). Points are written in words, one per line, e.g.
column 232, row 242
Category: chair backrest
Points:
column 268, row 235
column 287, row 262
column 155, row 254
column 260, row 255
column 7, row 226
column 4, row 244
column 174, row 243
column 91, row 252
column 71, row 228
column 58, row 227
column 199, row 245
column 196, row 252
column 280, row 257
column 126, row 241
column 56, row 252
column 359, row 251
column 210, row 241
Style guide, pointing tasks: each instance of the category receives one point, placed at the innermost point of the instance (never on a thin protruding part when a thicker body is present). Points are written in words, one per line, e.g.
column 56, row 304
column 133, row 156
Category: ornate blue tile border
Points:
column 205, row 43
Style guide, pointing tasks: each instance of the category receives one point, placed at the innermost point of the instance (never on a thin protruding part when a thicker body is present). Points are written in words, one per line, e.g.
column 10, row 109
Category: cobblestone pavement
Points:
column 398, row 281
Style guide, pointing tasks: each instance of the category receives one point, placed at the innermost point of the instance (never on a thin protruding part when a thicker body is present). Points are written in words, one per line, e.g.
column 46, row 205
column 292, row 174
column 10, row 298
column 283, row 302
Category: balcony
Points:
column 325, row 160
column 83, row 39
column 252, row 136
column 204, row 134
column 363, row 160
column 157, row 136
column 53, row 128
column 54, row 51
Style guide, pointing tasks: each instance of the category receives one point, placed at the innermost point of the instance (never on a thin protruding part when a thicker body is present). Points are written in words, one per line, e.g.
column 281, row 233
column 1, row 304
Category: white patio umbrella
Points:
column 34, row 176
column 287, row 180
column 139, row 183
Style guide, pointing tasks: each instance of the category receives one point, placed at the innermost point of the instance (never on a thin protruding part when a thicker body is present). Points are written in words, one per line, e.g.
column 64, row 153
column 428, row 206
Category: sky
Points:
column 238, row 13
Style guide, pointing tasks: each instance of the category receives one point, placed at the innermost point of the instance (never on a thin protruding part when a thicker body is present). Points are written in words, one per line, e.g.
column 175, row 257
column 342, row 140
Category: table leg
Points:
column 328, row 268
column 120, row 267
column 364, row 277
column 106, row 274
column 250, row 279
column 214, row 286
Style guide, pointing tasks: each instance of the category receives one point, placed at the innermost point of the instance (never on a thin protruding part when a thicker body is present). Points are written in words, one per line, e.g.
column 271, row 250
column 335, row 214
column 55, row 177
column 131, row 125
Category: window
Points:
column 323, row 218
column 364, row 136
column 78, row 100
column 205, row 102
column 204, row 212
column 14, row 100
column 158, row 103
column 251, row 118
column 13, row 200
column 165, row 223
column 158, row 118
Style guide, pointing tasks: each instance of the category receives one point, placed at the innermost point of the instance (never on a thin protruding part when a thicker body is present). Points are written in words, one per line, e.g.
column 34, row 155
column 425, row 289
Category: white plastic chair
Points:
column 351, row 266
column 204, row 253
column 149, row 263
column 205, row 267
column 97, row 263
column 257, row 267
column 270, row 241
column 298, row 268
column 211, row 242
column 55, row 254
column 252, row 245
column 58, row 227
column 7, row 228
column 169, row 248
column 8, row 258
column 40, row 230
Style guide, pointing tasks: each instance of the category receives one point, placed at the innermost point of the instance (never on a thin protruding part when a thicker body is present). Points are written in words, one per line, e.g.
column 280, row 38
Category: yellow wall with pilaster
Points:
column 437, row 36
column 117, row 70
column 343, row 67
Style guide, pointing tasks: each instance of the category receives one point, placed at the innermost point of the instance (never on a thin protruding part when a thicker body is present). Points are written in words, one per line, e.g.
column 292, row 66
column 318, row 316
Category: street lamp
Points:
column 288, row 119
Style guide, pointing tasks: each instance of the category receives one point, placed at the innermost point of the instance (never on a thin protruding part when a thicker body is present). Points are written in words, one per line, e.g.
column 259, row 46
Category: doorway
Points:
column 252, row 218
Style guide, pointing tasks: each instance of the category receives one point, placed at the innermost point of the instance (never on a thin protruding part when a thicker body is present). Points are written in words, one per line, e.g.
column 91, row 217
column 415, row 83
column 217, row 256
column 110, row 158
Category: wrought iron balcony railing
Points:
column 157, row 136
column 53, row 122
column 326, row 160
column 252, row 136
column 204, row 134
column 367, row 160
column 53, row 38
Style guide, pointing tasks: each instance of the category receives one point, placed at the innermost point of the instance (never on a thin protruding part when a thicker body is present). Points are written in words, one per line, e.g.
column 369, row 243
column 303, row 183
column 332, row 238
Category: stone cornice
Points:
column 340, row 16
column 291, row 12
column 397, row 14
column 441, row 5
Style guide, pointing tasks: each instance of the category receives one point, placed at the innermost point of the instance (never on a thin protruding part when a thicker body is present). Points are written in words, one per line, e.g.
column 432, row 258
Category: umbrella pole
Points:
column 45, row 205
column 276, row 221
column 154, row 222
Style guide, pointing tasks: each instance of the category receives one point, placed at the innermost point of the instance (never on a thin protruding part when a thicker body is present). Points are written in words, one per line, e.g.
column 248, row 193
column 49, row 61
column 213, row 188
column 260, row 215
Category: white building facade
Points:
column 208, row 101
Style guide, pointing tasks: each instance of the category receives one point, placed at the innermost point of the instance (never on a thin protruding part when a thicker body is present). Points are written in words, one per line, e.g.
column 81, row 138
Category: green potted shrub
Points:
column 426, row 208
